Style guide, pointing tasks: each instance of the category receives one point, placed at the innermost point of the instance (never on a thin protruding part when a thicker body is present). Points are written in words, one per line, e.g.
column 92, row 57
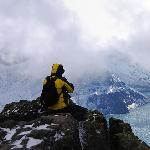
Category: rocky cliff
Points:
column 24, row 127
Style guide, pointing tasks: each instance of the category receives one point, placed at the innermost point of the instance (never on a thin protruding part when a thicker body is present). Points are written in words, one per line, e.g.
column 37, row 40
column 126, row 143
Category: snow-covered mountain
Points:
column 123, row 86
column 109, row 95
column 132, row 73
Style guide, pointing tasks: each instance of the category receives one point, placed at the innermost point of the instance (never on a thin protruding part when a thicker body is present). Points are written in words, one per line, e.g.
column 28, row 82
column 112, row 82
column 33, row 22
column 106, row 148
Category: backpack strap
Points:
column 54, row 78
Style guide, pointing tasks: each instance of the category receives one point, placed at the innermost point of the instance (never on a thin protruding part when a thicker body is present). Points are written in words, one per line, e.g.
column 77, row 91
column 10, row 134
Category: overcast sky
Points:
column 36, row 34
column 106, row 20
column 122, row 24
column 80, row 34
column 72, row 31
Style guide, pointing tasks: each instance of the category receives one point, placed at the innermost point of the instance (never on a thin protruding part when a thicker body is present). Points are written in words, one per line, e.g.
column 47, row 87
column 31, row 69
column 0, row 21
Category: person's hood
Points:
column 57, row 69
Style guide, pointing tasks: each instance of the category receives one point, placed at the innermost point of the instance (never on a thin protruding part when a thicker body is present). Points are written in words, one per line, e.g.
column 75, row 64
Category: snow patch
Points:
column 58, row 136
column 82, row 135
column 33, row 142
column 28, row 126
column 5, row 129
column 115, row 78
column 15, row 110
column 17, row 144
column 124, row 101
column 112, row 89
column 26, row 132
column 132, row 106
column 54, row 124
column 41, row 127
column 10, row 133
column 98, row 131
column 8, row 111
column 96, row 93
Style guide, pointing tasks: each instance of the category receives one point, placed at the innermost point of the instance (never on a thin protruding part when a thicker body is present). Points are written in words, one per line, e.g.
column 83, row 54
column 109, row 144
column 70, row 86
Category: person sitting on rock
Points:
column 55, row 98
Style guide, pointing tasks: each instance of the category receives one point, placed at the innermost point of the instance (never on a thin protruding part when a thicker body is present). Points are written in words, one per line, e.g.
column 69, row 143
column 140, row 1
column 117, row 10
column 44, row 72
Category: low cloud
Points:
column 35, row 34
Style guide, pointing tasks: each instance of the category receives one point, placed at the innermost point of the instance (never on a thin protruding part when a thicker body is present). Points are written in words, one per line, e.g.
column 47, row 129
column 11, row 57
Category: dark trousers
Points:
column 78, row 112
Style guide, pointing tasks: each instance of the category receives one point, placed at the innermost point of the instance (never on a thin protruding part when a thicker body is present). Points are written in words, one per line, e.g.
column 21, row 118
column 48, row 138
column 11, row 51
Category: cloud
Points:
column 116, row 26
column 107, row 20
column 35, row 34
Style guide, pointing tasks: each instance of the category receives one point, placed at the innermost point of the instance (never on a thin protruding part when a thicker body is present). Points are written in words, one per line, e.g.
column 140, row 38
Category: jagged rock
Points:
column 23, row 127
column 8, row 124
column 93, row 133
column 20, row 111
column 122, row 137
column 59, row 132
column 54, row 132
column 2, row 134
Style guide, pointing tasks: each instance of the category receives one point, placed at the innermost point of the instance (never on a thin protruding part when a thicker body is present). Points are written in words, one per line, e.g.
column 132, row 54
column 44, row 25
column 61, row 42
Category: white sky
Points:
column 105, row 21
column 44, row 32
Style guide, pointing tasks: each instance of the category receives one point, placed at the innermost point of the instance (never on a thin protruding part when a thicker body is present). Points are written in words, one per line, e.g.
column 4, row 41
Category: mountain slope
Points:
column 110, row 96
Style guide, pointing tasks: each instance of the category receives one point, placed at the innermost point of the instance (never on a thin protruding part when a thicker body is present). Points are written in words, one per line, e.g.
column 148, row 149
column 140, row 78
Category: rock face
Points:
column 122, row 137
column 24, row 110
column 23, row 127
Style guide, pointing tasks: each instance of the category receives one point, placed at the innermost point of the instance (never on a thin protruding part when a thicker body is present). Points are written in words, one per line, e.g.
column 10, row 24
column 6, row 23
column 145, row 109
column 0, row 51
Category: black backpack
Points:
column 49, row 95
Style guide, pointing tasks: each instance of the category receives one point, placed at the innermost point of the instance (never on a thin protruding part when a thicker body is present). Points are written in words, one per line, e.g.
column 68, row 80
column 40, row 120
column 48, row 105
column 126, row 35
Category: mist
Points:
column 36, row 34
column 116, row 26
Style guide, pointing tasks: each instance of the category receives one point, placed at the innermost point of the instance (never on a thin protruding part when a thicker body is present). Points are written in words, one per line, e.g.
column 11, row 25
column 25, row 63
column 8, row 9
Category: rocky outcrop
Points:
column 20, row 111
column 24, row 127
column 122, row 137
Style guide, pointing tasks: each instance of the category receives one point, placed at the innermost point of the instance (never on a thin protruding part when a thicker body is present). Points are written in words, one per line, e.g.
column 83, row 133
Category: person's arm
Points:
column 68, row 86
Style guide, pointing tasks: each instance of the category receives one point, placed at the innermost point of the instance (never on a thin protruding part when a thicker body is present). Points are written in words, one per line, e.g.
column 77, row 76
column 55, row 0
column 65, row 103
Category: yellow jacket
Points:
column 60, row 84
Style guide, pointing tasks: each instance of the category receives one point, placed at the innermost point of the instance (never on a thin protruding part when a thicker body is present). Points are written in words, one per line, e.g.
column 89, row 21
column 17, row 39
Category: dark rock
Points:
column 107, row 102
column 5, row 147
column 122, row 137
column 54, row 131
column 2, row 134
column 2, row 118
column 22, row 127
column 8, row 124
column 93, row 133
column 21, row 111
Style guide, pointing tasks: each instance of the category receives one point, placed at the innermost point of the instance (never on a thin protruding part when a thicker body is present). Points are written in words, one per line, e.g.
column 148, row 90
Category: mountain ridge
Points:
column 110, row 96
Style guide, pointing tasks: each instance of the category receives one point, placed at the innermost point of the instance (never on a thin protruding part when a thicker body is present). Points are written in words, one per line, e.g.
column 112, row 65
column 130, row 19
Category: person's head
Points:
column 57, row 69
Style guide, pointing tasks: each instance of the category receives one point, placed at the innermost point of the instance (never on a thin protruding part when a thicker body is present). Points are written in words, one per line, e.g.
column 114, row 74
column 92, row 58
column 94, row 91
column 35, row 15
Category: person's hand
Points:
column 64, row 79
